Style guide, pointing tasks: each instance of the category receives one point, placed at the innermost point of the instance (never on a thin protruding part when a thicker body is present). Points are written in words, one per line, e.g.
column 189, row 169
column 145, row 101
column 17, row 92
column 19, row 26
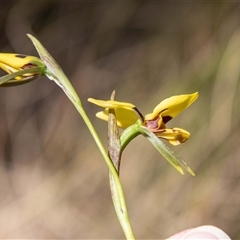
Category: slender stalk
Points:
column 129, row 134
column 55, row 73
column 119, row 204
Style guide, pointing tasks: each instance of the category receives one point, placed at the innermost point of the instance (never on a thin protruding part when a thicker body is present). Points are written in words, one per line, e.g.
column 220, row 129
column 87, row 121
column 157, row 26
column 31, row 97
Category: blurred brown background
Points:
column 53, row 180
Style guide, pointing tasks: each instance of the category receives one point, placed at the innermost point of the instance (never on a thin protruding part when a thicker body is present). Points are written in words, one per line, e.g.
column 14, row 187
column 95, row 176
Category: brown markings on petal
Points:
column 179, row 136
column 139, row 113
column 153, row 124
column 20, row 56
column 29, row 65
column 166, row 119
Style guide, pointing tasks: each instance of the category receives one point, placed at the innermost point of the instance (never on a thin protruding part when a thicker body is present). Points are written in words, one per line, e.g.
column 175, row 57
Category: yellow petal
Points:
column 10, row 61
column 171, row 107
column 126, row 113
column 111, row 104
column 175, row 136
column 124, row 117
column 7, row 68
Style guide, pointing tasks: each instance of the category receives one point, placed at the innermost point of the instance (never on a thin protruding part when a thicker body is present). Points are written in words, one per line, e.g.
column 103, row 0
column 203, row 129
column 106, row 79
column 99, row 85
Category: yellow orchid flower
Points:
column 13, row 63
column 127, row 114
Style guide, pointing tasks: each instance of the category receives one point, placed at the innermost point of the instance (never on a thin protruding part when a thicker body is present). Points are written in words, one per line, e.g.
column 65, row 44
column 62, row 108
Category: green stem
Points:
column 129, row 134
column 55, row 73
column 120, row 206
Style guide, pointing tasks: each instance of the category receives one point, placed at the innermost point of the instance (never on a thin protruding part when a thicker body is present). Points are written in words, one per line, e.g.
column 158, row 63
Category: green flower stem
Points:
column 129, row 134
column 55, row 73
column 119, row 203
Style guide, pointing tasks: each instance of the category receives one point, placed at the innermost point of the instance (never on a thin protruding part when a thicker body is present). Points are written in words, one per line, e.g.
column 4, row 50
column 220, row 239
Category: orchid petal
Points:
column 171, row 107
column 175, row 136
column 125, row 117
column 126, row 113
column 111, row 104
